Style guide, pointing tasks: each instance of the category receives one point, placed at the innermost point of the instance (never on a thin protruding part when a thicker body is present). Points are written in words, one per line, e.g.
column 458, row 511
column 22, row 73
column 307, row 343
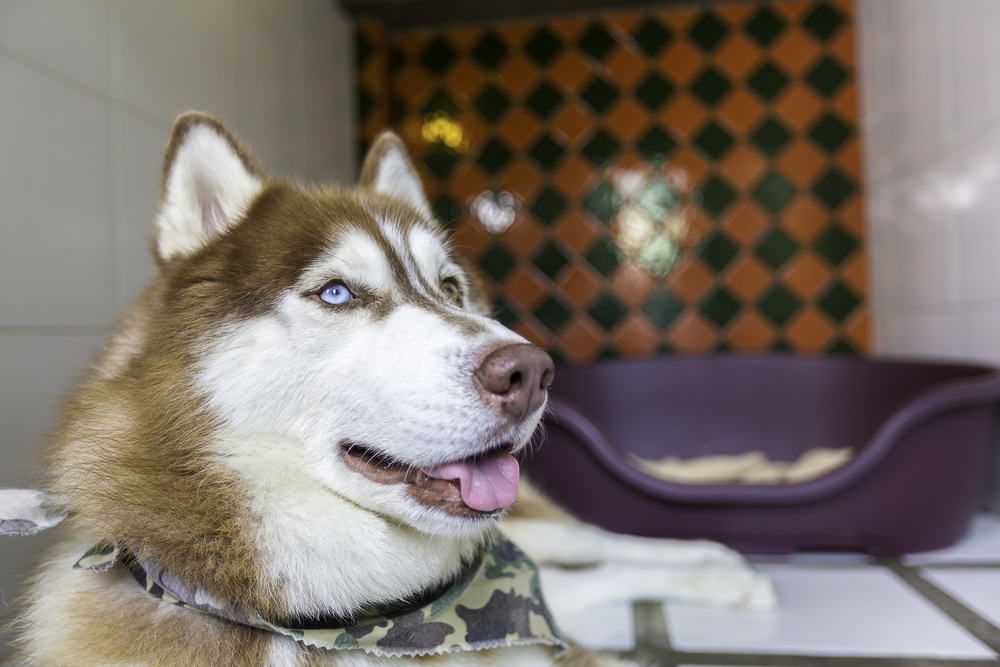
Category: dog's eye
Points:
column 336, row 294
column 451, row 289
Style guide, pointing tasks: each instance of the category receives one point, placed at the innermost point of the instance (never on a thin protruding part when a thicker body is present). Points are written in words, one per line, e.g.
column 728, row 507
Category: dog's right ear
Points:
column 209, row 181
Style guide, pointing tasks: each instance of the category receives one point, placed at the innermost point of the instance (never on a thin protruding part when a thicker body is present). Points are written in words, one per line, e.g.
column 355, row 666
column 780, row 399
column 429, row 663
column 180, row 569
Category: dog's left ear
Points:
column 387, row 169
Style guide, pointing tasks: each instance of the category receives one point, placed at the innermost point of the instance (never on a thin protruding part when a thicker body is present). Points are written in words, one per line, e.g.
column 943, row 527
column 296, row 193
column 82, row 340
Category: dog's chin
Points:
column 443, row 495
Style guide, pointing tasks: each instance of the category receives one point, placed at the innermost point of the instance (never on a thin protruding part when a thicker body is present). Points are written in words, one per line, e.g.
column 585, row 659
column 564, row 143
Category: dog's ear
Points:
column 387, row 169
column 209, row 180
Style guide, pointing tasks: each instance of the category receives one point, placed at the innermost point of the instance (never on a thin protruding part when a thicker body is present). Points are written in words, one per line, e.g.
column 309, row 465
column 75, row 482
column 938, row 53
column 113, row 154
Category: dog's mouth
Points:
column 477, row 486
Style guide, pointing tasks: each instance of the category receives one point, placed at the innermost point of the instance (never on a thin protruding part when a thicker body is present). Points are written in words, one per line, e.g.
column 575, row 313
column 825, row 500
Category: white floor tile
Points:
column 980, row 545
column 610, row 628
column 978, row 588
column 850, row 611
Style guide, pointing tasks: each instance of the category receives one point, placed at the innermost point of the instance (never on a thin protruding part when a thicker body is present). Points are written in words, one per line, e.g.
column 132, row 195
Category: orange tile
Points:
column 465, row 79
column 569, row 29
column 798, row 107
column 736, row 14
column 741, row 111
column 516, row 33
column 697, row 224
column 374, row 125
column 374, row 76
column 748, row 277
column 473, row 127
column 466, row 182
column 633, row 283
column 745, row 221
column 579, row 285
column 806, row 274
column 801, row 162
column 849, row 158
column 581, row 339
column 795, row 50
column 517, row 73
column 681, row 61
column 691, row 163
column 534, row 332
column 626, row 24
column 572, row 122
column 679, row 19
column 689, row 279
column 630, row 160
column 636, row 336
column 803, row 218
column 522, row 180
column 525, row 287
column 737, row 56
column 742, row 166
column 846, row 6
column 411, row 83
column 464, row 38
column 373, row 31
column 524, row 235
column 793, row 10
column 859, row 329
column 845, row 102
column 574, row 176
column 519, row 128
column 625, row 66
column 627, row 120
column 852, row 216
column 570, row 70
column 808, row 331
column 749, row 332
column 470, row 238
column 841, row 46
column 411, row 43
column 692, row 333
column 577, row 230
column 855, row 273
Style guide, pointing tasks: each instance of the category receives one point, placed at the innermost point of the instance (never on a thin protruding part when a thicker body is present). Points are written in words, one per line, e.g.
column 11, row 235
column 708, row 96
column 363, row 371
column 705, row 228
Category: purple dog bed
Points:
column 922, row 435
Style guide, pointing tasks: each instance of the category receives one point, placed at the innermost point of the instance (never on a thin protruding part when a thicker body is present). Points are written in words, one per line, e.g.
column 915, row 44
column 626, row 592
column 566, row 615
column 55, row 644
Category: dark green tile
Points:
column 716, row 195
column 549, row 205
column 607, row 311
column 543, row 46
column 765, row 26
column 550, row 260
column 494, row 156
column 714, row 141
column 446, row 210
column 490, row 51
column 603, row 203
column 841, row 346
column 718, row 251
column 544, row 99
column 497, row 262
column 552, row 314
column 665, row 349
column 833, row 188
column 504, row 314
column 603, row 256
column 491, row 103
column 721, row 347
column 780, row 345
column 657, row 145
column 776, row 248
column 609, row 353
column 779, row 304
column 663, row 308
column 438, row 56
column 440, row 102
column 835, row 245
column 651, row 37
column 366, row 103
column 363, row 50
column 768, row 81
column 720, row 307
column 546, row 152
column 830, row 132
column 823, row 21
column 440, row 160
column 773, row 192
column 711, row 86
column 708, row 32
column 599, row 94
column 596, row 42
column 654, row 91
column 838, row 302
column 601, row 147
column 827, row 76
column 770, row 137
column 557, row 359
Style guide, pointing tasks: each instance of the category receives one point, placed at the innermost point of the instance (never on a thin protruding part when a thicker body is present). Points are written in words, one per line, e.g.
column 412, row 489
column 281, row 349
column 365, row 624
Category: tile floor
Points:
column 835, row 610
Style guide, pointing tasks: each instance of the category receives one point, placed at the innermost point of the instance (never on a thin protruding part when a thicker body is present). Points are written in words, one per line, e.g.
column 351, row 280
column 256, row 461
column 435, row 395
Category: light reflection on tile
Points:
column 610, row 628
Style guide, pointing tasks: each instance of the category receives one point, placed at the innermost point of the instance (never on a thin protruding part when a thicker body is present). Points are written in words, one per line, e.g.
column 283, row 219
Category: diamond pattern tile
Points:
column 687, row 177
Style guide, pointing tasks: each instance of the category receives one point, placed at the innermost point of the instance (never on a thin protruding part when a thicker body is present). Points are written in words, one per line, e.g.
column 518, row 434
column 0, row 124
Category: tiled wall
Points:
column 931, row 102
column 687, row 180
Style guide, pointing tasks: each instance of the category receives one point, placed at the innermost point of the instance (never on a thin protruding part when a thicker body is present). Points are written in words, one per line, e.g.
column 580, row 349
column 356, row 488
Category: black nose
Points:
column 517, row 376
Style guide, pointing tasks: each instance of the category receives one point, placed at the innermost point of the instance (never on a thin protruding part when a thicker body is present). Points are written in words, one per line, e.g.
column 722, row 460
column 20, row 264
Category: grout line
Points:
column 652, row 640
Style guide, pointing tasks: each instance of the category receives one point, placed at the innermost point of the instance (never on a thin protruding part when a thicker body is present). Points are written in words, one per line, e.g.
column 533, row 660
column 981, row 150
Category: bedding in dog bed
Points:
column 920, row 433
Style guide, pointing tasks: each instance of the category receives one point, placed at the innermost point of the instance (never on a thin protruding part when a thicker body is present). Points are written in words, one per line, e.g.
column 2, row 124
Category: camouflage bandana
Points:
column 496, row 601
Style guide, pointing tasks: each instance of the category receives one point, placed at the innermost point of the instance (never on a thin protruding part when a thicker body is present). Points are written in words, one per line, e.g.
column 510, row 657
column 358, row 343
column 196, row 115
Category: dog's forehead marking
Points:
column 429, row 254
column 354, row 257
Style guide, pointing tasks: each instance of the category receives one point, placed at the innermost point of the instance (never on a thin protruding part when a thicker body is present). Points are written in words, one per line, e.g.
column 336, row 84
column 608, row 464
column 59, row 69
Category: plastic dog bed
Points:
column 922, row 435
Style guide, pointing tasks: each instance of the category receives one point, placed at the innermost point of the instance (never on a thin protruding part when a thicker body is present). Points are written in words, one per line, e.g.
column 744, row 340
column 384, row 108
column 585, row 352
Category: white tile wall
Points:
column 89, row 91
column 930, row 76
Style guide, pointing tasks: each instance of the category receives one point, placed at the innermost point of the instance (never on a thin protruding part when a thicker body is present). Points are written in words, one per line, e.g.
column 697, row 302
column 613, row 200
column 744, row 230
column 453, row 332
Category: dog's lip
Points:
column 444, row 494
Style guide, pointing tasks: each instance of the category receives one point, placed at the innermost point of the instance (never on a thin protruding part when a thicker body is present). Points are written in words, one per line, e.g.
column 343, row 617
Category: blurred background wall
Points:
column 88, row 93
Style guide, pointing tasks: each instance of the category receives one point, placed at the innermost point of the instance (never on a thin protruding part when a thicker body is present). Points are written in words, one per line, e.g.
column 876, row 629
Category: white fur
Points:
column 396, row 177
column 208, row 188
column 357, row 260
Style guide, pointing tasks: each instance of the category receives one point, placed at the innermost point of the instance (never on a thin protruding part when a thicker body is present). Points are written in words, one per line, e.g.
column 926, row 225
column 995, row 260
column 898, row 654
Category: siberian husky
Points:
column 307, row 423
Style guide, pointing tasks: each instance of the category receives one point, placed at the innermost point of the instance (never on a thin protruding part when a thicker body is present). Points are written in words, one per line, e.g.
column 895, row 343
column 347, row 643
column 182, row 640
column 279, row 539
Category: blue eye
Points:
column 336, row 294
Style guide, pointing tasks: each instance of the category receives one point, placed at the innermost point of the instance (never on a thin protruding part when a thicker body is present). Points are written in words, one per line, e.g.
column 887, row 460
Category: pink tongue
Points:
column 486, row 483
